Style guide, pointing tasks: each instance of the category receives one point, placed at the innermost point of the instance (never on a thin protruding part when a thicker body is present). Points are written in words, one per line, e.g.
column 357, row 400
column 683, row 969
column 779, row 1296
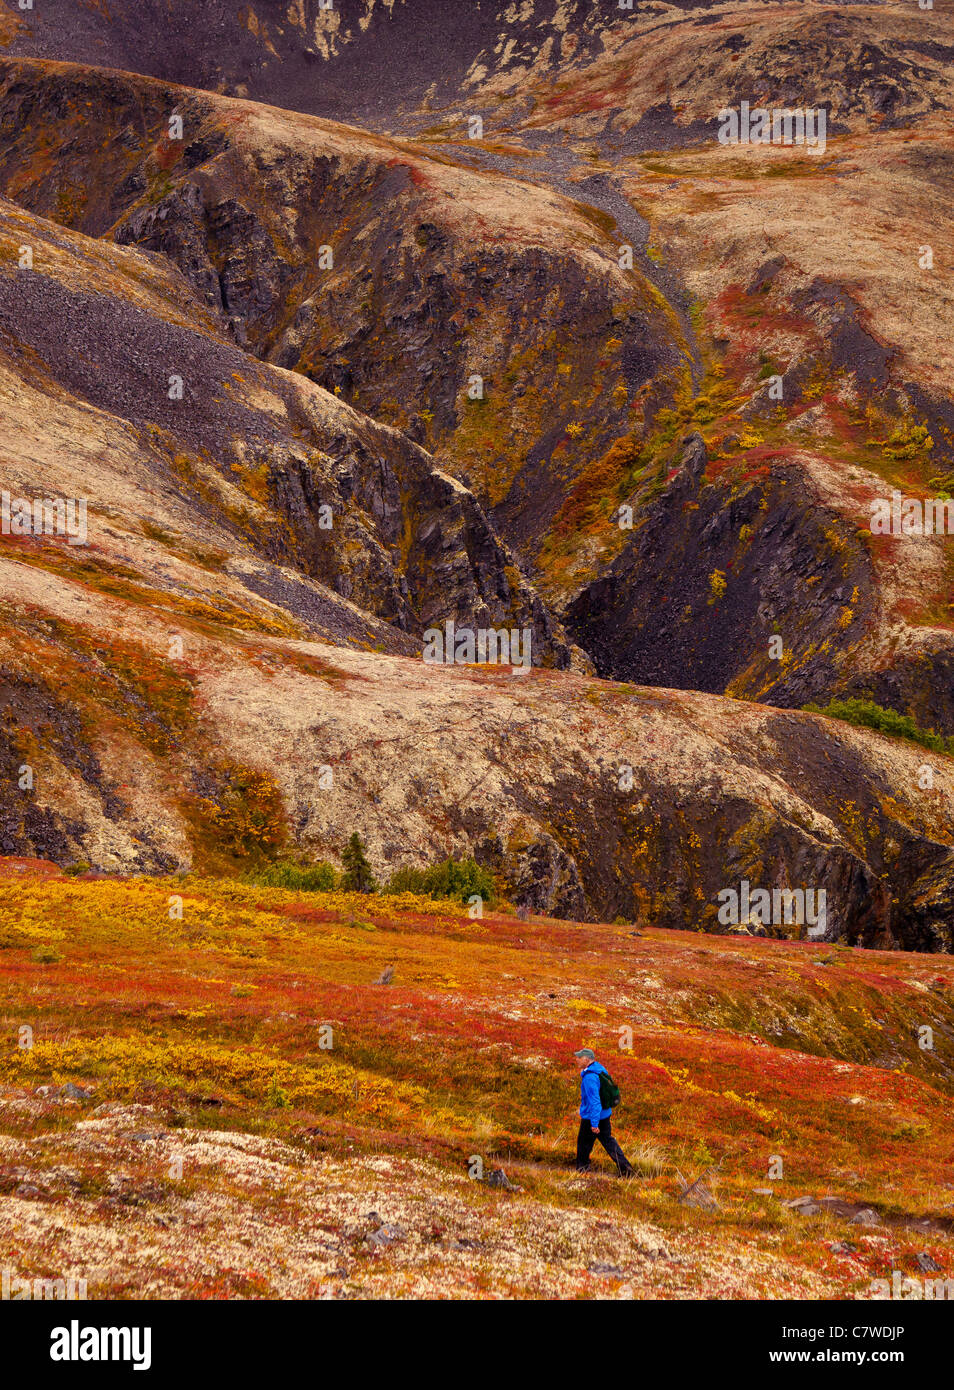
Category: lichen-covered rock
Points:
column 758, row 588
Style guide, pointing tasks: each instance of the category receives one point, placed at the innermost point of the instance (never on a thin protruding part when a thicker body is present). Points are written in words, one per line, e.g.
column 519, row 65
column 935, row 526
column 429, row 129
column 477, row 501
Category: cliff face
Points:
column 756, row 584
column 593, row 70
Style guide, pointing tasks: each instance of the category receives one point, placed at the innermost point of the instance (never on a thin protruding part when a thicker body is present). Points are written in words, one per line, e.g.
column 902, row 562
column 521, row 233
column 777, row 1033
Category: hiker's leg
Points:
column 584, row 1145
column 608, row 1140
column 626, row 1169
column 623, row 1164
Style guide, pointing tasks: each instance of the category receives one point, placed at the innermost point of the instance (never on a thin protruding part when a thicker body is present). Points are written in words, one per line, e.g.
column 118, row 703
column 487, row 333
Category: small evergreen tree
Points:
column 358, row 876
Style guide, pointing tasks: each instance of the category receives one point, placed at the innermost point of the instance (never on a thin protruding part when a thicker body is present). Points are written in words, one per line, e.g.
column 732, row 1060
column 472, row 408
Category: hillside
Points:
column 180, row 704
column 498, row 457
column 477, row 304
column 224, row 1143
column 243, row 536
column 470, row 310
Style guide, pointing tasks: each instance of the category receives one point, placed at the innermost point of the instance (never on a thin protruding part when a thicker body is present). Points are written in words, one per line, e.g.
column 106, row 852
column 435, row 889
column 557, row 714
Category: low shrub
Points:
column 303, row 878
column 869, row 715
column 454, row 878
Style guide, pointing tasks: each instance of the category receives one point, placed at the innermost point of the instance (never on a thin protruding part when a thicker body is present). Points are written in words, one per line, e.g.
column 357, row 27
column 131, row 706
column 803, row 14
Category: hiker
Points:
column 595, row 1115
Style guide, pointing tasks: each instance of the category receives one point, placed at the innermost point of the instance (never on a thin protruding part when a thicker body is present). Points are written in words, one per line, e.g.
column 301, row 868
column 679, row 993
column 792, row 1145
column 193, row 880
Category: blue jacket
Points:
column 590, row 1108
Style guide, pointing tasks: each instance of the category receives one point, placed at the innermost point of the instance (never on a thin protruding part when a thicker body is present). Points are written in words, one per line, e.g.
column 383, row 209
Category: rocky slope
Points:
column 369, row 61
column 587, row 799
column 414, row 309
column 759, row 585
column 254, row 471
column 486, row 317
column 562, row 66
column 327, row 387
column 819, row 399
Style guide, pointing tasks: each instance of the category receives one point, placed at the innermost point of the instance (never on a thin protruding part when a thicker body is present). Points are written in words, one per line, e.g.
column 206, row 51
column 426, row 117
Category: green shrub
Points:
column 303, row 878
column 868, row 715
column 276, row 1095
column 907, row 441
column 454, row 878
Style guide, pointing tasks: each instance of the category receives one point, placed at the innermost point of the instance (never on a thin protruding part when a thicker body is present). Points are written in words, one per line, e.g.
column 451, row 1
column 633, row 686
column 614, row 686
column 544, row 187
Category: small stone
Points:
column 387, row 1235
column 866, row 1217
column 927, row 1263
column 803, row 1206
column 71, row 1092
column 609, row 1271
column 498, row 1178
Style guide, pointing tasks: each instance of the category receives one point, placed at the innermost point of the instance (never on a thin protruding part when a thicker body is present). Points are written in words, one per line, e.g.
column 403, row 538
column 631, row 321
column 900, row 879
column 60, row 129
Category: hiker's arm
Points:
column 591, row 1096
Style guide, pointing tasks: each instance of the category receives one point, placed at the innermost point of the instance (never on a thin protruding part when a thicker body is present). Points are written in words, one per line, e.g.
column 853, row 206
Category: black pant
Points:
column 584, row 1147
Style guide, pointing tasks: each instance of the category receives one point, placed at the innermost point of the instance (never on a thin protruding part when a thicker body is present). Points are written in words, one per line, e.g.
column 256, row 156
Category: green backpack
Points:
column 609, row 1092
